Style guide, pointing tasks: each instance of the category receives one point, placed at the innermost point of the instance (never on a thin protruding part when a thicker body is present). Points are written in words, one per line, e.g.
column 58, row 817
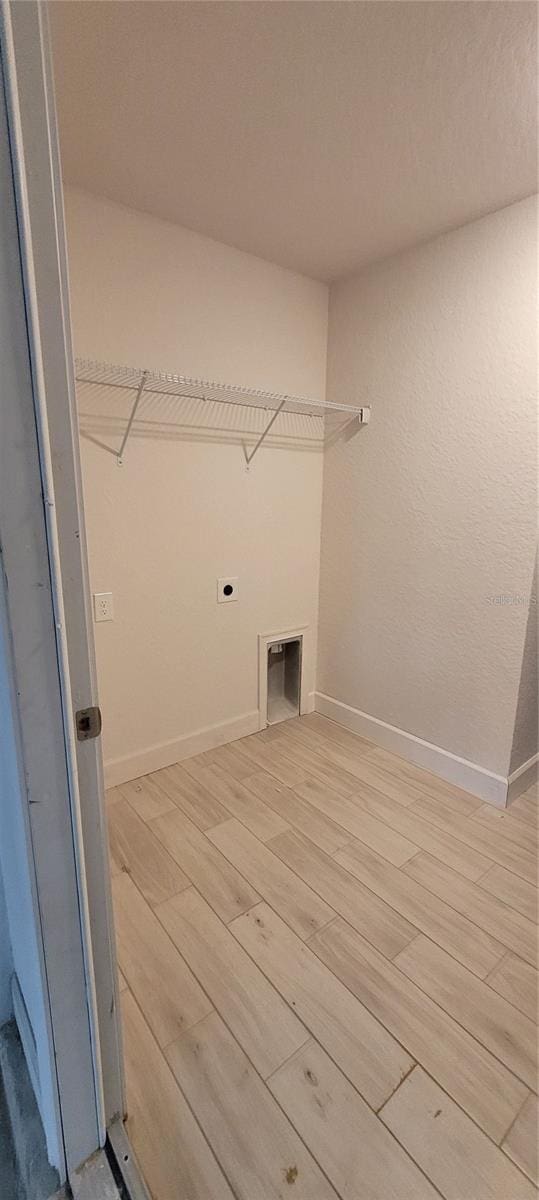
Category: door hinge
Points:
column 88, row 721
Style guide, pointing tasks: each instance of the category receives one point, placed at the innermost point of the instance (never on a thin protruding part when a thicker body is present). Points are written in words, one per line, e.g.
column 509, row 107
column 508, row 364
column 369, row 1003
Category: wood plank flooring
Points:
column 328, row 975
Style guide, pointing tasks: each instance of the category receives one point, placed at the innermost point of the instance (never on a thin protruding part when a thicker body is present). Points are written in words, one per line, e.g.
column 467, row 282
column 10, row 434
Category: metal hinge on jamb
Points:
column 88, row 722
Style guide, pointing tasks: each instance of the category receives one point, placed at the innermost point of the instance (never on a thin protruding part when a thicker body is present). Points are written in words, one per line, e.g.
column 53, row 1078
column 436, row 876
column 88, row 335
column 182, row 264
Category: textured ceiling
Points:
column 320, row 136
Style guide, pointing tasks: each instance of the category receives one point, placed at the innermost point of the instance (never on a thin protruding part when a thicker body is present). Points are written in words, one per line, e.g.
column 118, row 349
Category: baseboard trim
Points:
column 121, row 770
column 464, row 774
column 520, row 780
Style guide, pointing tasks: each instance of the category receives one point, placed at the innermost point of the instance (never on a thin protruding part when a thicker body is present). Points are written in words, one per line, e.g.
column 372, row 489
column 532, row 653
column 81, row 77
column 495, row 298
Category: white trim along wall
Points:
column 495, row 789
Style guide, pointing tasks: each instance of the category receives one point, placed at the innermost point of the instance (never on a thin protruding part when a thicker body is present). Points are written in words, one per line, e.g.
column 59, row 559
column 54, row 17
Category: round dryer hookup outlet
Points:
column 227, row 590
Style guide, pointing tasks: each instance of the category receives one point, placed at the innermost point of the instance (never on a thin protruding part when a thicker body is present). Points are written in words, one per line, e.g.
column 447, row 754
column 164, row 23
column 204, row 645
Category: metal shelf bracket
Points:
column 263, row 436
column 132, row 415
column 157, row 384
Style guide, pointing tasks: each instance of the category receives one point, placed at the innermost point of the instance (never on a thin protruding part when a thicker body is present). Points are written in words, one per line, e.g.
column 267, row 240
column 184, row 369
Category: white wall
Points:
column 182, row 512
column 430, row 512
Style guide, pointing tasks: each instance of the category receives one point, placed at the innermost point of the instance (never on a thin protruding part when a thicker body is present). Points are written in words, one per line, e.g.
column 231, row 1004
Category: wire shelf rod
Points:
column 147, row 383
column 167, row 384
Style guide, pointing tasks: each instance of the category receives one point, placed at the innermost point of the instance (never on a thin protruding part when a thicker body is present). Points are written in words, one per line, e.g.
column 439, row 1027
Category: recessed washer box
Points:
column 281, row 666
column 284, row 679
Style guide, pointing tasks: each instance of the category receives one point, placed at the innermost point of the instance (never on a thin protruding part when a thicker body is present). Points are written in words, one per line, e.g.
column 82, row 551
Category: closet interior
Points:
column 295, row 509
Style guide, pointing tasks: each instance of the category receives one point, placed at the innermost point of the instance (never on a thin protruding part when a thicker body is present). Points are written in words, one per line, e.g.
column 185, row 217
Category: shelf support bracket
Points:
column 263, row 436
column 132, row 415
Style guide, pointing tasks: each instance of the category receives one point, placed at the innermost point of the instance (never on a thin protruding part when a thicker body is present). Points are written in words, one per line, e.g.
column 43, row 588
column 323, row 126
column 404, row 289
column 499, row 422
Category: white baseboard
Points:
column 464, row 774
column 520, row 780
column 121, row 770
column 495, row 789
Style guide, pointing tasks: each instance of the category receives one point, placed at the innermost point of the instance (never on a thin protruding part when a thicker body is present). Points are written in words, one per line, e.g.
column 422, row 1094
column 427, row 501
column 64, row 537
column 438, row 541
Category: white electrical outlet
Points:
column 103, row 606
column 227, row 590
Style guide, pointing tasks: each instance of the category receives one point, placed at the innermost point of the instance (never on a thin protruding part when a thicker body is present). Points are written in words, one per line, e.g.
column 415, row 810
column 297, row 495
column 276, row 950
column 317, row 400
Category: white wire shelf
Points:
column 145, row 383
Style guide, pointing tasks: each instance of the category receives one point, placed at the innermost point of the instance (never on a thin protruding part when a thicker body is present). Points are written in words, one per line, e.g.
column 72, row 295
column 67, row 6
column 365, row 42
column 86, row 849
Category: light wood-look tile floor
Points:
column 329, row 976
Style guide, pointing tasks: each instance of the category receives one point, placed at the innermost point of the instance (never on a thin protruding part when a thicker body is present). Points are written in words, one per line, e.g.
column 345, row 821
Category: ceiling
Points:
column 320, row 136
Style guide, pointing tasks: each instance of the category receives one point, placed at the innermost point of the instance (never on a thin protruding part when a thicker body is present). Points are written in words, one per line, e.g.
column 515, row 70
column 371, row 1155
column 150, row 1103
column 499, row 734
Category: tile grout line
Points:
column 145, row 825
column 242, row 874
column 429, row 936
column 294, row 827
column 338, row 915
column 296, row 1054
column 495, row 938
column 212, row 1002
column 451, row 1099
column 307, row 941
column 263, row 898
column 342, row 984
column 242, row 1049
column 451, row 1018
column 513, row 1122
column 384, row 820
column 483, row 853
column 477, row 1039
column 180, row 1089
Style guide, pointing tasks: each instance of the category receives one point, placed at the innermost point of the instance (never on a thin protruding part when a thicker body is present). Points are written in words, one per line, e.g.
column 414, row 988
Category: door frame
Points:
column 68, row 832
